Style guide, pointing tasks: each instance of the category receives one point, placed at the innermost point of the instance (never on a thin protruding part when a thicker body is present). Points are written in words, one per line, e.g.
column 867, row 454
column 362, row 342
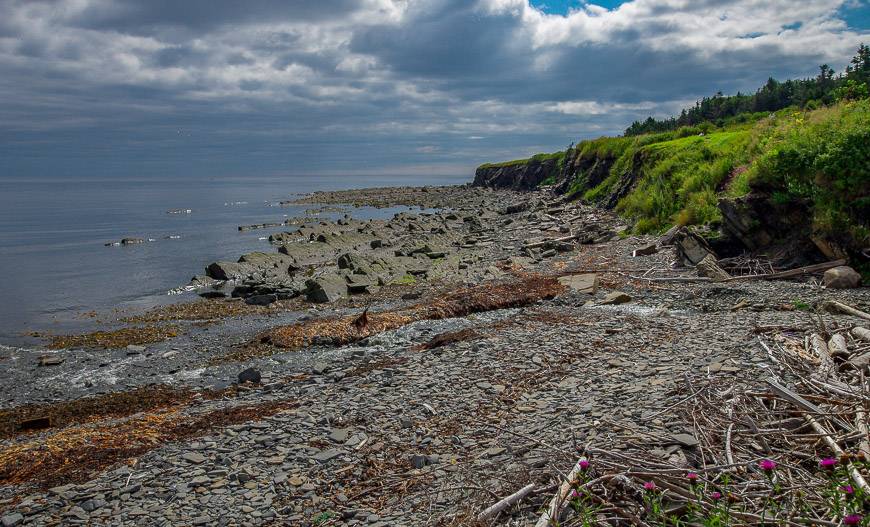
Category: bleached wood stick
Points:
column 729, row 457
column 849, row 310
column 552, row 512
column 861, row 423
column 826, row 436
column 508, row 501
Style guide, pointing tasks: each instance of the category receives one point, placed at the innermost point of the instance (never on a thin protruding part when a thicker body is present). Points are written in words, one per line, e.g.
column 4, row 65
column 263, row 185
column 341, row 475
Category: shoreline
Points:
column 525, row 331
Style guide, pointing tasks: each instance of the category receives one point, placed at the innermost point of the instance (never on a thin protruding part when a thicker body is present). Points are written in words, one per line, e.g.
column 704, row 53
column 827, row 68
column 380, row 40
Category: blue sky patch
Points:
column 561, row 7
column 857, row 14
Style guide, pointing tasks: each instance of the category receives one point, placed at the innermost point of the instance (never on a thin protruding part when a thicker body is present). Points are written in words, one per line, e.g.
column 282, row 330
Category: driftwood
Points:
column 672, row 278
column 833, row 305
column 820, row 348
column 668, row 237
column 786, row 427
column 809, row 269
column 499, row 506
column 551, row 515
column 861, row 425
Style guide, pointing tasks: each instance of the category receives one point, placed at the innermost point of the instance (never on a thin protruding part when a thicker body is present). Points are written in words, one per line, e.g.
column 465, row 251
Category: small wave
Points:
column 13, row 350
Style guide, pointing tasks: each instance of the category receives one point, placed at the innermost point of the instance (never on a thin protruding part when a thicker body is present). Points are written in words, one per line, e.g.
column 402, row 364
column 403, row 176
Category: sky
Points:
column 140, row 88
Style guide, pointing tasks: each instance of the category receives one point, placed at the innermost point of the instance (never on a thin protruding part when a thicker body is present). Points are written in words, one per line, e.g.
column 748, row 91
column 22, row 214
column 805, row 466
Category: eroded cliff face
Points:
column 524, row 175
column 572, row 173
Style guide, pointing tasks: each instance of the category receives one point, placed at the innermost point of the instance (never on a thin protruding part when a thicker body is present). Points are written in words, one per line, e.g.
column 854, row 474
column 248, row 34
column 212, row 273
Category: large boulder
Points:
column 282, row 263
column 326, row 289
column 257, row 263
column 691, row 248
column 354, row 262
column 843, row 277
column 261, row 300
column 227, row 270
column 582, row 283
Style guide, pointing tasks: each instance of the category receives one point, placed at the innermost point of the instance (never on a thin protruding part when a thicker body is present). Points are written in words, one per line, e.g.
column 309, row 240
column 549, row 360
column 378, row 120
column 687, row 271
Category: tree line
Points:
column 811, row 93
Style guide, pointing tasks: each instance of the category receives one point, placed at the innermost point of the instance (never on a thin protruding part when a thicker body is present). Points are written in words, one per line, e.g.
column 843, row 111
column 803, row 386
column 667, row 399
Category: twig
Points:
column 506, row 502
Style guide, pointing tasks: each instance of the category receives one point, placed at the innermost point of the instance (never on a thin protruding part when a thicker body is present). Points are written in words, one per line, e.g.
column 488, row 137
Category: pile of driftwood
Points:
column 791, row 449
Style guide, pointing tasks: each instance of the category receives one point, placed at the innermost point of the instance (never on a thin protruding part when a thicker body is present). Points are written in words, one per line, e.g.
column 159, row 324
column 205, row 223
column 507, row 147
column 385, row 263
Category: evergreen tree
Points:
column 774, row 95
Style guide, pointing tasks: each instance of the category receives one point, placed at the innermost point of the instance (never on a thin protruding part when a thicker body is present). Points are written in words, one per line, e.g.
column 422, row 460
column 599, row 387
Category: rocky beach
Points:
column 406, row 371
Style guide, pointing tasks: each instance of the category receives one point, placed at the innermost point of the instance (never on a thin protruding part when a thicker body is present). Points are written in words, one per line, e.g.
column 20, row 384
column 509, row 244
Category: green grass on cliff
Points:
column 821, row 156
column 679, row 179
column 677, row 173
column 558, row 156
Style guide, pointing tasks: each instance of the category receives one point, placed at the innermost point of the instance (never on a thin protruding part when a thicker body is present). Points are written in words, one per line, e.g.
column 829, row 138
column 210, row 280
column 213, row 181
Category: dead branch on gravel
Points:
column 839, row 307
column 791, row 273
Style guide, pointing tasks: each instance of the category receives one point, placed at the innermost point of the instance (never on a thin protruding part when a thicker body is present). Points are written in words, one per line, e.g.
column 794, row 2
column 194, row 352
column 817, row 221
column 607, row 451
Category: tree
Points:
column 859, row 70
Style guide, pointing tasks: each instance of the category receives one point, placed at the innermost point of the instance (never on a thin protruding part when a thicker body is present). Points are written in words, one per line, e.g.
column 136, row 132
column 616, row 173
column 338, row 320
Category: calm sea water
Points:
column 54, row 267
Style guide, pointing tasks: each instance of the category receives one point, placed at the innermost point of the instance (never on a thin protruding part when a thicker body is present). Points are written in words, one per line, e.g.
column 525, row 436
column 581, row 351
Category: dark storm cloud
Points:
column 159, row 86
column 201, row 15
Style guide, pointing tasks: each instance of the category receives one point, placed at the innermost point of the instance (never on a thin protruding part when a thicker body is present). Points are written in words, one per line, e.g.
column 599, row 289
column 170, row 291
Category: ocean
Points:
column 57, row 275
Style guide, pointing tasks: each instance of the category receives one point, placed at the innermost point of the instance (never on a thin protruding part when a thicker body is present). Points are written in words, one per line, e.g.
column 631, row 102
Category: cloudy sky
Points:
column 222, row 87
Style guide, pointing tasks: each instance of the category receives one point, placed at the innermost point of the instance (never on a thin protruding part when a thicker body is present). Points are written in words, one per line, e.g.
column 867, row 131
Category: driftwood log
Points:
column 833, row 305
column 809, row 269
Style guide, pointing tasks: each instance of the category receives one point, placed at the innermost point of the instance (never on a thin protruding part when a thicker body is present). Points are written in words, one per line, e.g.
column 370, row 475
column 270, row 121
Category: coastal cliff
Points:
column 807, row 167
column 521, row 174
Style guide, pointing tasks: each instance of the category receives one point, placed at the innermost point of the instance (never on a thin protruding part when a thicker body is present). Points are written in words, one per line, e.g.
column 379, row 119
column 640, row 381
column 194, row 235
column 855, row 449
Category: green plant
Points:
column 323, row 517
column 800, row 305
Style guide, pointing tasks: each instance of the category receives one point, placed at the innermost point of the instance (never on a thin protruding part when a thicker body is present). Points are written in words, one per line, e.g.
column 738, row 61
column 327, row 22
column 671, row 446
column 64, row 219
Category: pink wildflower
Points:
column 828, row 463
column 716, row 495
column 650, row 486
column 692, row 476
column 583, row 464
column 853, row 519
column 767, row 465
column 574, row 494
column 847, row 489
